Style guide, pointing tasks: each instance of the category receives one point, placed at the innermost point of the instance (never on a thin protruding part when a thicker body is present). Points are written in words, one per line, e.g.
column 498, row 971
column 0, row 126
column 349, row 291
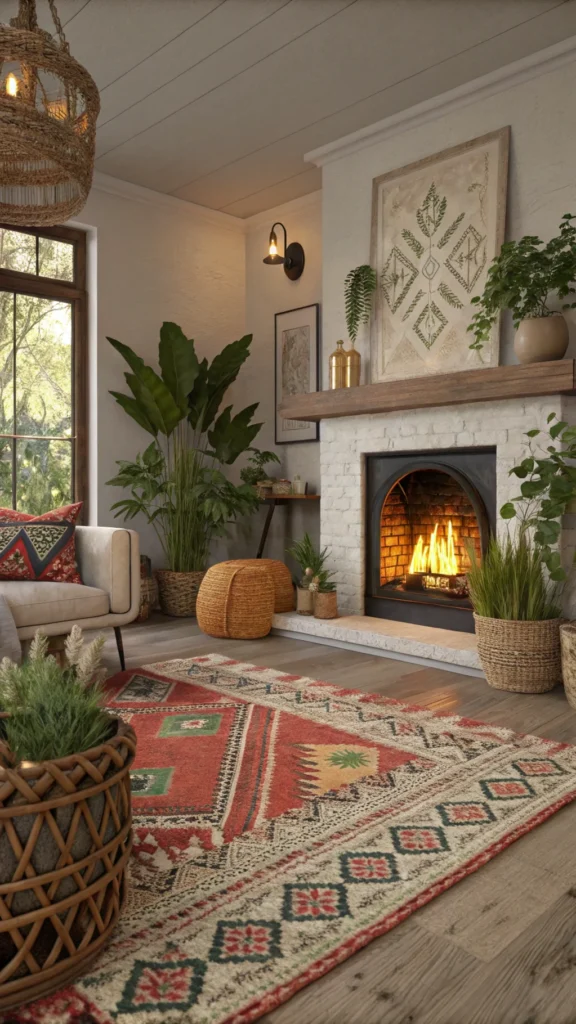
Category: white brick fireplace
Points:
column 346, row 441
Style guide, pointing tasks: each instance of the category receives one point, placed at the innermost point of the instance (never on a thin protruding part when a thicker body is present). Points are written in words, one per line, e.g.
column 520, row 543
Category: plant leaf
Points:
column 178, row 363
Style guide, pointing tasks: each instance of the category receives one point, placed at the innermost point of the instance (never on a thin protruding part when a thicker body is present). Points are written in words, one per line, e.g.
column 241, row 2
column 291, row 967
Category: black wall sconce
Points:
column 293, row 258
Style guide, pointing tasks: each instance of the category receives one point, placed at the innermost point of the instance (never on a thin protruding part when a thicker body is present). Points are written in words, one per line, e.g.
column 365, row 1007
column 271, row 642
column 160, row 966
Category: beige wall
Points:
column 151, row 259
column 269, row 291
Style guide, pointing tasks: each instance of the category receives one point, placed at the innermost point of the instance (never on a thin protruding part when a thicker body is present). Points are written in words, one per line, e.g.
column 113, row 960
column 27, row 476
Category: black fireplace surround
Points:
column 448, row 499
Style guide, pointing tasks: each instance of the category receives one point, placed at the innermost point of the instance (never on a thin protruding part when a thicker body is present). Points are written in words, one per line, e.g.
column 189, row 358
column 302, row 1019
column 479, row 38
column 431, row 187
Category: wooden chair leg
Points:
column 120, row 646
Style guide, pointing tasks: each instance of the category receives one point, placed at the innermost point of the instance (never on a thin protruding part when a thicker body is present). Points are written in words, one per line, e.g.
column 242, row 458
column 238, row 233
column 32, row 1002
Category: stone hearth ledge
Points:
column 404, row 641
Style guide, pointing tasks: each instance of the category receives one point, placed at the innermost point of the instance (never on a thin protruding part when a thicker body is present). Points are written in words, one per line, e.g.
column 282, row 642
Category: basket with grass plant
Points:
column 516, row 589
column 65, row 817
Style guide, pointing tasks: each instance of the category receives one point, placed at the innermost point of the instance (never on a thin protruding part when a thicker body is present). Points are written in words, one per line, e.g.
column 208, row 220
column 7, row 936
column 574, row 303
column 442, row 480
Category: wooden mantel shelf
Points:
column 489, row 384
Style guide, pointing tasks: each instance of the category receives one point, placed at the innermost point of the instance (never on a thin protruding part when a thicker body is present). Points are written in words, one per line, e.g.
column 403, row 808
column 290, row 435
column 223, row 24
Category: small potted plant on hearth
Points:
column 325, row 600
column 62, row 863
column 516, row 588
column 314, row 576
column 528, row 277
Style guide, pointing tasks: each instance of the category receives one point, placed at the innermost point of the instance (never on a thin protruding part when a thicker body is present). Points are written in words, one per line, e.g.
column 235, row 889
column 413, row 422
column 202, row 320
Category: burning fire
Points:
column 438, row 556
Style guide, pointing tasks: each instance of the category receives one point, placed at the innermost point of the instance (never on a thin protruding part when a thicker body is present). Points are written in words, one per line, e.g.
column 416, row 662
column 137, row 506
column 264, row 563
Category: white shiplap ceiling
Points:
column 216, row 101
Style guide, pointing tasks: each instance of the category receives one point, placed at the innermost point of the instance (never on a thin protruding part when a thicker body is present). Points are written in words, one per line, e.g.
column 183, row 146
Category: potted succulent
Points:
column 254, row 474
column 315, row 585
column 359, row 286
column 525, row 278
column 515, row 589
column 178, row 483
column 66, row 761
column 325, row 601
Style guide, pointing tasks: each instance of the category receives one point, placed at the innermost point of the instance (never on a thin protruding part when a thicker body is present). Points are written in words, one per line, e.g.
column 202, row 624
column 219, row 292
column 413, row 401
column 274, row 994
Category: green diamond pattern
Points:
column 430, row 324
column 162, row 986
column 191, row 724
column 150, row 781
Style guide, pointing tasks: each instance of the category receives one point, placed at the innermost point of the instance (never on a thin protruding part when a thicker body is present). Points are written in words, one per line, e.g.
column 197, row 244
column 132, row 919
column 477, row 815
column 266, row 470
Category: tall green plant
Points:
column 178, row 483
column 358, row 288
column 509, row 582
column 523, row 277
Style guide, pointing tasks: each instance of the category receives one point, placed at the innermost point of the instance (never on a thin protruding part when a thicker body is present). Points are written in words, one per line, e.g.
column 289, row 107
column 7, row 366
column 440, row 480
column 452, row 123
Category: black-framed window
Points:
column 43, row 410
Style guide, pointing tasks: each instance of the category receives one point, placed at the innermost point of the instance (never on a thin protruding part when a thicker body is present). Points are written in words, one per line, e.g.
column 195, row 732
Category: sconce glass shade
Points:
column 293, row 258
column 273, row 256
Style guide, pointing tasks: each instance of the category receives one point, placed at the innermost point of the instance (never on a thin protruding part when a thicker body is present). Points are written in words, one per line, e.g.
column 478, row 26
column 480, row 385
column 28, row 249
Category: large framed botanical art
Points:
column 436, row 226
column 296, row 340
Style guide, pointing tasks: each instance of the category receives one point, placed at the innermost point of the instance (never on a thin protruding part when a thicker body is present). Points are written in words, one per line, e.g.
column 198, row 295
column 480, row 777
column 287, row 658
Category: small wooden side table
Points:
column 272, row 502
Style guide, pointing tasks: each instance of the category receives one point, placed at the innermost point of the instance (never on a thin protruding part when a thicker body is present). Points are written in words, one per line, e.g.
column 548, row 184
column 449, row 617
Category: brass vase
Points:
column 337, row 366
column 353, row 367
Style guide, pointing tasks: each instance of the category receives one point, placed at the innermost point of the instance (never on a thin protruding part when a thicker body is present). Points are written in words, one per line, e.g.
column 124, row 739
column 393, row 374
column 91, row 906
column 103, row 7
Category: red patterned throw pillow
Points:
column 39, row 547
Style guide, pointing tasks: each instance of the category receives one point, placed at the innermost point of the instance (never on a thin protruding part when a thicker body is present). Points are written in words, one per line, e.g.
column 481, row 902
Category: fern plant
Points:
column 358, row 288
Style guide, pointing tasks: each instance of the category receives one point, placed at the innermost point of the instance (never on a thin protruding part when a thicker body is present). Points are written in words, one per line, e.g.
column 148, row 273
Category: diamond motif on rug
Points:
column 369, row 867
column 239, row 942
column 469, row 812
column 161, row 986
column 309, row 902
column 507, row 789
column 538, row 766
column 190, row 725
column 150, row 781
column 144, row 688
column 419, row 839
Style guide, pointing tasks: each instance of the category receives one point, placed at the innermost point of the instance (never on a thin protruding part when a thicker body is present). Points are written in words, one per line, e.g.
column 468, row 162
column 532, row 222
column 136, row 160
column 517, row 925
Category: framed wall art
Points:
column 436, row 226
column 296, row 340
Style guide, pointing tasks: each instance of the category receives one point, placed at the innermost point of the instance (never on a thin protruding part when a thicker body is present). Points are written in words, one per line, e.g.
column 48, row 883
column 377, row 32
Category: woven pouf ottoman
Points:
column 236, row 600
column 281, row 578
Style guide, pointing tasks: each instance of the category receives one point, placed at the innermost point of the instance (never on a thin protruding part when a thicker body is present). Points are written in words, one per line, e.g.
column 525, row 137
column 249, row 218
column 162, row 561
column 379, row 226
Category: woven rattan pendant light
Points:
column 48, row 110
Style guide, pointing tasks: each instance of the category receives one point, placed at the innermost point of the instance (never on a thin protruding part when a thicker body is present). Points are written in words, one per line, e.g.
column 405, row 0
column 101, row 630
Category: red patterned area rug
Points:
column 281, row 824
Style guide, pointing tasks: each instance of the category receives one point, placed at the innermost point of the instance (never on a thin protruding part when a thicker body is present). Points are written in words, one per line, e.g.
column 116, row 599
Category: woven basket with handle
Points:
column 178, row 591
column 65, row 839
column 281, row 578
column 523, row 657
column 236, row 600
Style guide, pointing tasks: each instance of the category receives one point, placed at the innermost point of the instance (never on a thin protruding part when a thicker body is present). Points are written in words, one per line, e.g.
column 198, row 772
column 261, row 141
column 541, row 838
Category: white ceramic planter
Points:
column 541, row 339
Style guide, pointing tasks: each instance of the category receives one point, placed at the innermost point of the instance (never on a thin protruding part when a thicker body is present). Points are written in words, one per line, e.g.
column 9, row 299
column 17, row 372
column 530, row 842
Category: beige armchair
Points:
column 109, row 563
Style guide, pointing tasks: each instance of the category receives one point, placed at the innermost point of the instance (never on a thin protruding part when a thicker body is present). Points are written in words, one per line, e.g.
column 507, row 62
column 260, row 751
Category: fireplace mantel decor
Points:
column 489, row 384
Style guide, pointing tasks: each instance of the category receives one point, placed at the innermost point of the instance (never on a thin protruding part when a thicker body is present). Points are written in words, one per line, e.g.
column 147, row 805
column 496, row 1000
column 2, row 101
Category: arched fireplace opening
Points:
column 424, row 518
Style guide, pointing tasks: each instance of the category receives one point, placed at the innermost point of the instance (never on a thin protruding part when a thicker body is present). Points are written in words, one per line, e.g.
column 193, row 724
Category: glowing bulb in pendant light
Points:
column 12, row 84
column 273, row 248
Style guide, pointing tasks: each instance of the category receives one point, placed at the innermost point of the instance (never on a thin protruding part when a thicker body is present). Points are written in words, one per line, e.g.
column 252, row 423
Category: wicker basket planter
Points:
column 568, row 644
column 523, row 657
column 65, row 839
column 304, row 601
column 178, row 591
column 148, row 597
column 326, row 605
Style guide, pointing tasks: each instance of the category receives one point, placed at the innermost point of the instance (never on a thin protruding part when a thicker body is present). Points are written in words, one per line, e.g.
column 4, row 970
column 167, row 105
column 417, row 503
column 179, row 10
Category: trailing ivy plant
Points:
column 548, row 475
column 524, row 278
column 358, row 288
